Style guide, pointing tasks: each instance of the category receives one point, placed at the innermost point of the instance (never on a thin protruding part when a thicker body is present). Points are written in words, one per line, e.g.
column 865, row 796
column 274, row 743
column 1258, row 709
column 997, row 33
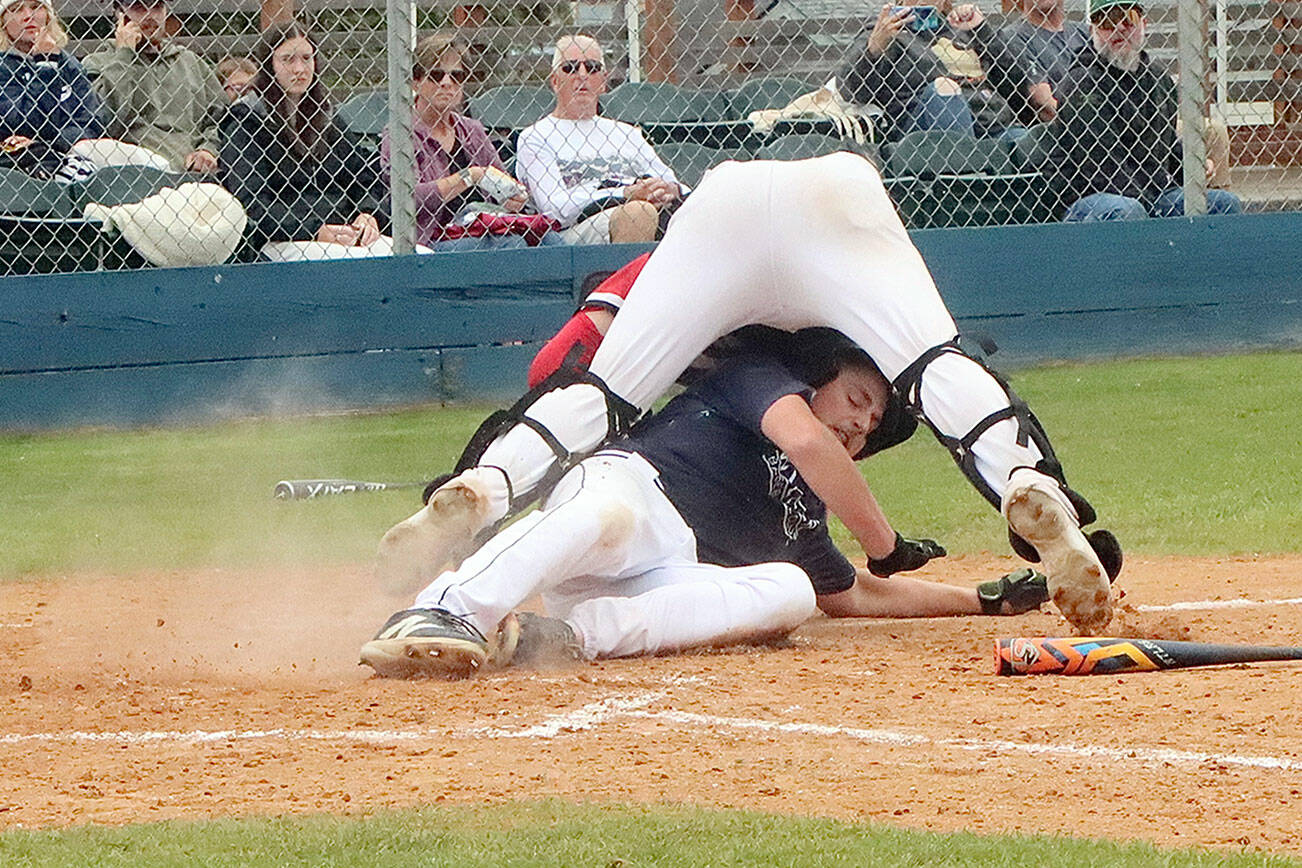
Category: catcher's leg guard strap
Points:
column 620, row 416
column 1029, row 430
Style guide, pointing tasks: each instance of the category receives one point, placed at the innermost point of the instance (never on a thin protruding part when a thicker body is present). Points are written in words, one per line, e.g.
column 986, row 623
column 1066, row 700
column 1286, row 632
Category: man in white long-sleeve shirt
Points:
column 598, row 177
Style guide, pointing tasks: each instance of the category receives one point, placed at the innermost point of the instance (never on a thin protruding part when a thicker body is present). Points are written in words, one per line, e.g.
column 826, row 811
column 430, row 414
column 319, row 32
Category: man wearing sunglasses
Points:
column 598, row 177
column 1114, row 153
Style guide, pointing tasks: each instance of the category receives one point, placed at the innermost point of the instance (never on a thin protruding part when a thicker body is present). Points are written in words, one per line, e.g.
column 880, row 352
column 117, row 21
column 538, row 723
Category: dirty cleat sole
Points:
column 436, row 538
column 423, row 658
column 1078, row 584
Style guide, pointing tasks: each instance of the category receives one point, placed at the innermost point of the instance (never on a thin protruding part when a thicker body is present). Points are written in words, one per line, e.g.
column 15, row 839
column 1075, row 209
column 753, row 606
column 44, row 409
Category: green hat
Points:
column 1096, row 6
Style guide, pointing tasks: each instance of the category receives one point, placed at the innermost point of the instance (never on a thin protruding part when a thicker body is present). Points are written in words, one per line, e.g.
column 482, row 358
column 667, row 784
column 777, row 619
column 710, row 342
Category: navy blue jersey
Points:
column 733, row 486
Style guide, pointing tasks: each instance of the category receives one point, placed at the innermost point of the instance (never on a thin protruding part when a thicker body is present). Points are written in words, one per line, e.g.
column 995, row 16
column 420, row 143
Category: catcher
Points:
column 789, row 245
column 697, row 528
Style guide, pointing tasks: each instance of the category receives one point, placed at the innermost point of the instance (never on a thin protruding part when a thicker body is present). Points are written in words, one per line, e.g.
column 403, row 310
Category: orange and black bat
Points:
column 1095, row 655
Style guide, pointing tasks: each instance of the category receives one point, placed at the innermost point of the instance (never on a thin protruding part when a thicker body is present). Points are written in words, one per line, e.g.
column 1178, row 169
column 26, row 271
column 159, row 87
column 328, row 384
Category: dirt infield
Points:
column 136, row 698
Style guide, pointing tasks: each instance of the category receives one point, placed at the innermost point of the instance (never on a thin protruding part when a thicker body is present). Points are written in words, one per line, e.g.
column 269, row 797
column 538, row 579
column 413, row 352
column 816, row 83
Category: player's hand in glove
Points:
column 909, row 554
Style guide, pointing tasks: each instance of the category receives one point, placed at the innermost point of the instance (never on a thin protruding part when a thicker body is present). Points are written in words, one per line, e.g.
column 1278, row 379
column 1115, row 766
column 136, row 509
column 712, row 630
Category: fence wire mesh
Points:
column 144, row 133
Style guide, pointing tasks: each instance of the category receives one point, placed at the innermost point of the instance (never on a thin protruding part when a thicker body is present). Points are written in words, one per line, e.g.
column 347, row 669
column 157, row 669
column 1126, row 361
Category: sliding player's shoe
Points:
column 426, row 643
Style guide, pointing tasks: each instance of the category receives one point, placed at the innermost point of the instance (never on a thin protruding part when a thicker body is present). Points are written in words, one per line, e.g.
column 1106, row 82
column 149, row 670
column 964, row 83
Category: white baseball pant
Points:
column 787, row 244
column 609, row 553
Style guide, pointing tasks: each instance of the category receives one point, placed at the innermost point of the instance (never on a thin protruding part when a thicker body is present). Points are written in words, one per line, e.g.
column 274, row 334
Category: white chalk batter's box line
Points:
column 635, row 707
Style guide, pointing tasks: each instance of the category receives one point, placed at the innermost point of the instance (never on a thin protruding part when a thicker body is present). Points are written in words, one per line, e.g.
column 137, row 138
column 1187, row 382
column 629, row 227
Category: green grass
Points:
column 1191, row 455
column 552, row 833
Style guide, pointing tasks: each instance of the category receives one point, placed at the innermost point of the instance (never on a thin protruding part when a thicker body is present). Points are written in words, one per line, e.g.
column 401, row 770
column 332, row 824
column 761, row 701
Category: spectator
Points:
column 1046, row 40
column 598, row 177
column 160, row 95
column 236, row 75
column 957, row 72
column 46, row 101
column 1114, row 153
column 299, row 174
column 453, row 152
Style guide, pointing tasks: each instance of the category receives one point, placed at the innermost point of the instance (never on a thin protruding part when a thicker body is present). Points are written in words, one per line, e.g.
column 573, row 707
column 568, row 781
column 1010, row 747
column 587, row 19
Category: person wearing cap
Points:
column 1113, row 150
column 46, row 100
column 942, row 66
column 160, row 95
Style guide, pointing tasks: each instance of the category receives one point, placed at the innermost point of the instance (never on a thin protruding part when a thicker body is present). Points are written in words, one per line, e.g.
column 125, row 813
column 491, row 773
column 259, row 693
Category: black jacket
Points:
column 1115, row 131
column 910, row 64
column 289, row 198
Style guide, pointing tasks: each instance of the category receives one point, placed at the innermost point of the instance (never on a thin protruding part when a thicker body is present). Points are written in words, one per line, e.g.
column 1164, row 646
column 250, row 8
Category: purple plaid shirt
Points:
column 432, row 212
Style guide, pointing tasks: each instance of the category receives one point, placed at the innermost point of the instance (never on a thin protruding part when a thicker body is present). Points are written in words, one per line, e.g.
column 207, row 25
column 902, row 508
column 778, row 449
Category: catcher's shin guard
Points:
column 909, row 384
column 620, row 416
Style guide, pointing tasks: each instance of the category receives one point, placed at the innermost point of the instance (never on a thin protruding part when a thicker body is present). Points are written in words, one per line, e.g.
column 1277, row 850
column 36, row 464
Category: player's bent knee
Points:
column 788, row 595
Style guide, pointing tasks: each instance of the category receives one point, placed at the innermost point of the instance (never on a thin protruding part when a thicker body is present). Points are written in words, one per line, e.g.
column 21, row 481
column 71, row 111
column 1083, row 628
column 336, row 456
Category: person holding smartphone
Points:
column 160, row 95
column 942, row 67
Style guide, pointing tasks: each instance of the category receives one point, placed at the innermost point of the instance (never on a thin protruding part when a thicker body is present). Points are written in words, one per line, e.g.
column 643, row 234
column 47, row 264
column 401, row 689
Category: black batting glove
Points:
column 909, row 554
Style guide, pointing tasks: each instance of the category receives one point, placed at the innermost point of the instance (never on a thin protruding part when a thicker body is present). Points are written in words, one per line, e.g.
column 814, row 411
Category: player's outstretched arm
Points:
column 825, row 464
column 899, row 597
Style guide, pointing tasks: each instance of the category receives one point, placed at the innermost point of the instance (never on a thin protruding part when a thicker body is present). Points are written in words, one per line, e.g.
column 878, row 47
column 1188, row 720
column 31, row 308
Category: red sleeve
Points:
column 612, row 291
column 578, row 332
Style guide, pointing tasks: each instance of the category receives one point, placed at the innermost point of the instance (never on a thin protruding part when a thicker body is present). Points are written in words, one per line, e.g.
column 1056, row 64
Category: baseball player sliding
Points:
column 789, row 245
column 697, row 528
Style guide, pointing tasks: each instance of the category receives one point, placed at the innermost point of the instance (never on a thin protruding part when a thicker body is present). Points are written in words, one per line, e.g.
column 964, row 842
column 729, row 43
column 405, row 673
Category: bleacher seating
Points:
column 943, row 178
column 40, row 230
column 802, row 146
column 690, row 160
column 365, row 113
column 670, row 113
column 121, row 185
column 507, row 109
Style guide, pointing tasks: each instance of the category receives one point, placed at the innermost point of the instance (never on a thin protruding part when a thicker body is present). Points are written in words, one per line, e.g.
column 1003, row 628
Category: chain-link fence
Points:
column 149, row 134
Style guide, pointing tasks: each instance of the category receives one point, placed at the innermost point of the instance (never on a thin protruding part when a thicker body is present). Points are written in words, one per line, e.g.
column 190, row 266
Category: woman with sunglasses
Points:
column 310, row 188
column 456, row 164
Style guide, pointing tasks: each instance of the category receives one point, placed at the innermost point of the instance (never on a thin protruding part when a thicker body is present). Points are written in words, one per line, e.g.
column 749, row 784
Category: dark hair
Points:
column 822, row 354
column 310, row 131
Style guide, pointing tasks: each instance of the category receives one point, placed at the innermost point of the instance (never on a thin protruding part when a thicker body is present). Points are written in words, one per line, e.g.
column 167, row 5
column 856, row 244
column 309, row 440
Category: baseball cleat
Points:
column 536, row 642
column 1077, row 582
column 426, row 643
column 436, row 538
column 1022, row 591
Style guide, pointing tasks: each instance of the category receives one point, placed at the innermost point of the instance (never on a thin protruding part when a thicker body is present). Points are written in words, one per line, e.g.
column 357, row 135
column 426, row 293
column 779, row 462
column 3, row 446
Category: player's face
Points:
column 851, row 406
column 24, row 21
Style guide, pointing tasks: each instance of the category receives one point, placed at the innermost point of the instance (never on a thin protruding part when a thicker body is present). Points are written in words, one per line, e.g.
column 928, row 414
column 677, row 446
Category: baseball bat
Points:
column 307, row 489
column 1094, row 655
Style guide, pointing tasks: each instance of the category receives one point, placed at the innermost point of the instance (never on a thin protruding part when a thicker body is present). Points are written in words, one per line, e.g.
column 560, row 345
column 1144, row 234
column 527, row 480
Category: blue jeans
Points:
column 931, row 110
column 1112, row 206
column 1171, row 203
column 480, row 242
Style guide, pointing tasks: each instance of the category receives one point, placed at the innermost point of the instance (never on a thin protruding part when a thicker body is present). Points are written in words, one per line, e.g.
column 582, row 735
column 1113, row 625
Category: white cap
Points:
column 48, row 4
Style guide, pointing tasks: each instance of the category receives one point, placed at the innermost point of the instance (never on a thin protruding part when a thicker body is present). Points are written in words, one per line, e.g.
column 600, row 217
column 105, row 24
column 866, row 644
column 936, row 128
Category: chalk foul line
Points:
column 635, row 706
column 1217, row 604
